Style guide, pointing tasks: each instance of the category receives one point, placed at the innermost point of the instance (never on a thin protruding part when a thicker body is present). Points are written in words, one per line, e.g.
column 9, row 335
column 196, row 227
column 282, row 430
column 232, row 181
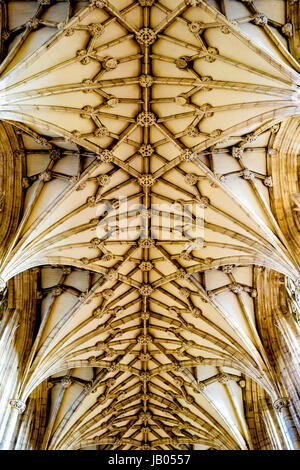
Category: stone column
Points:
column 271, row 422
column 282, row 406
column 17, row 407
column 17, row 327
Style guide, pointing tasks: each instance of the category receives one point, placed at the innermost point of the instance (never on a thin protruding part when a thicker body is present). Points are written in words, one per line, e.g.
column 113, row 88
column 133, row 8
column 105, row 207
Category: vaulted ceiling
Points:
column 132, row 112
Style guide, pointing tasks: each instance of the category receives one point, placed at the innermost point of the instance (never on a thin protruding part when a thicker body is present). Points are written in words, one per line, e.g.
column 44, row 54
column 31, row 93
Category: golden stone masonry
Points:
column 140, row 329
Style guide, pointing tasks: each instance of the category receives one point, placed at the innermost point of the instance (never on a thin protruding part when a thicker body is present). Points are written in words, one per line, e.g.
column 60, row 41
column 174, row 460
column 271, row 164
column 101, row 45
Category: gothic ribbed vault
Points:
column 150, row 335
